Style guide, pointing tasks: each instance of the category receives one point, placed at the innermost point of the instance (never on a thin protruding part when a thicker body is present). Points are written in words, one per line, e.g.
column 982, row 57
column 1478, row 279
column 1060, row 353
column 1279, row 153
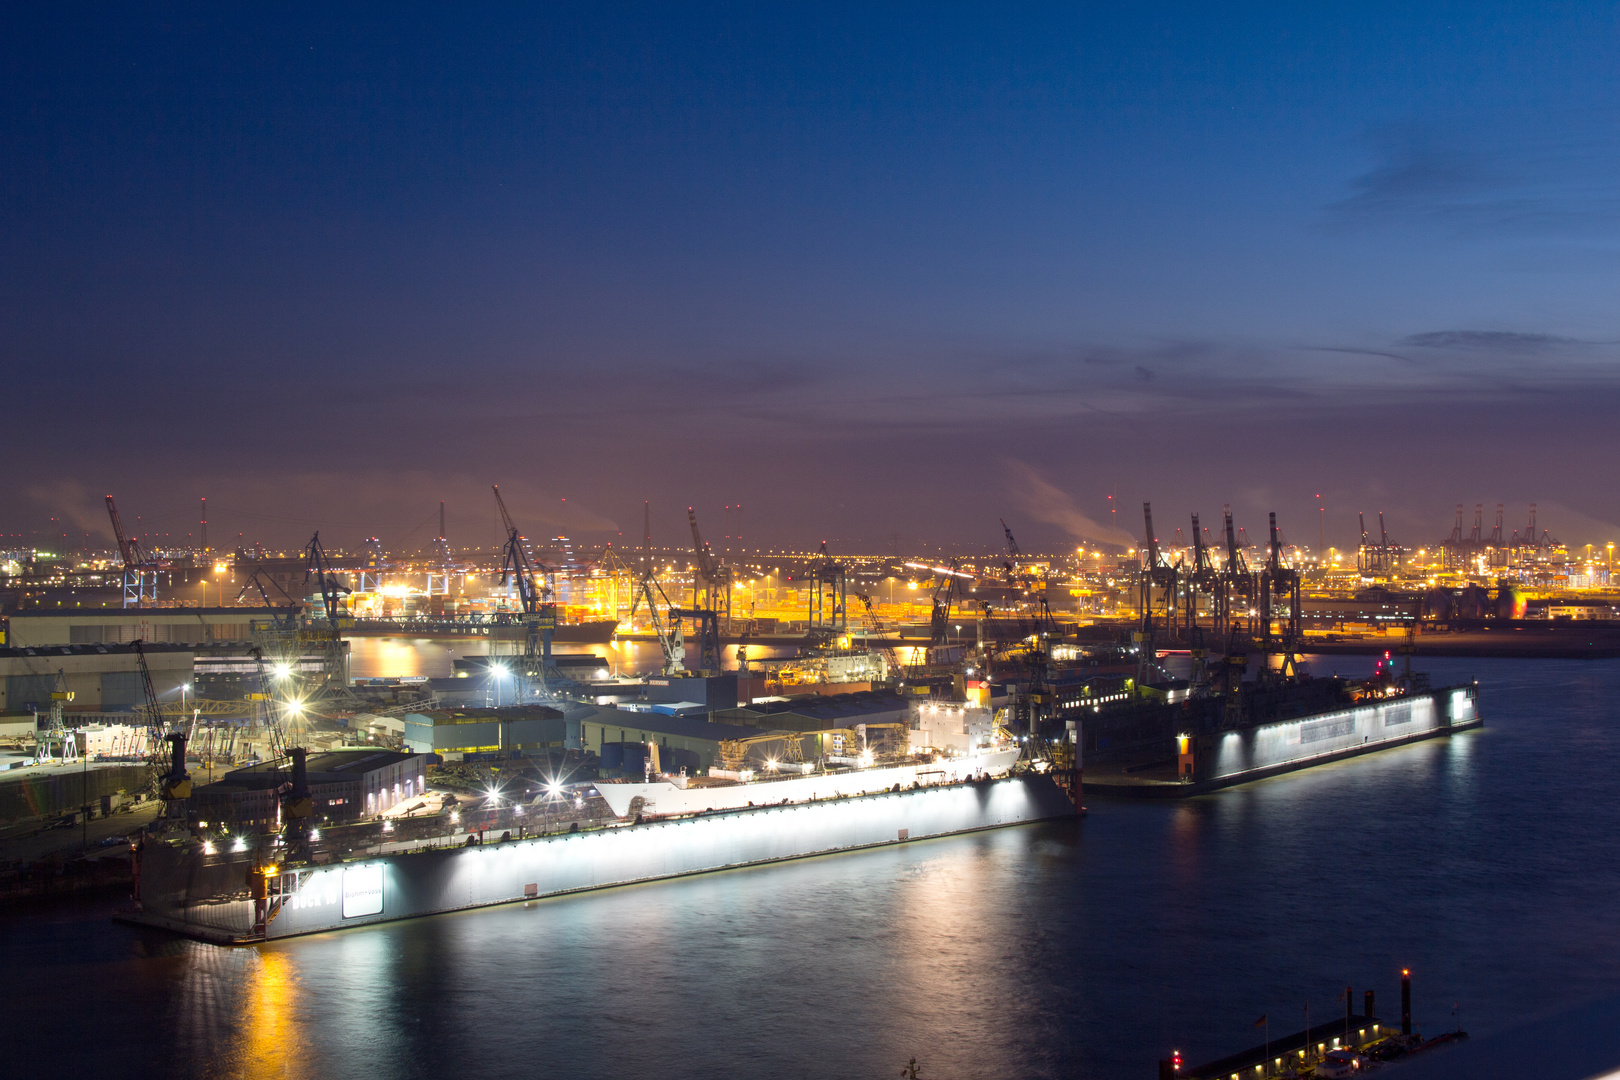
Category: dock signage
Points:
column 362, row 890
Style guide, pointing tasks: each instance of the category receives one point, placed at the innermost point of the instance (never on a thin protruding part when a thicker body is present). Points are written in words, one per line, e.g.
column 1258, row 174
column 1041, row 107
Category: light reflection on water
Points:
column 1488, row 863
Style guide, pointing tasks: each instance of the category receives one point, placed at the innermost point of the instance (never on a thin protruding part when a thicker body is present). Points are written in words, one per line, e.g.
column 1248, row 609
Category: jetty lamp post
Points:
column 498, row 672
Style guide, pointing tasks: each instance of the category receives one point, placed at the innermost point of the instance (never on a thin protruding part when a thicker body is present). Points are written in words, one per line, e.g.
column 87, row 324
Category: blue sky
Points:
column 865, row 270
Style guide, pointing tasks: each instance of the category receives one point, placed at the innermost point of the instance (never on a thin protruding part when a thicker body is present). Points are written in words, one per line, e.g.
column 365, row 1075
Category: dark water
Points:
column 1489, row 863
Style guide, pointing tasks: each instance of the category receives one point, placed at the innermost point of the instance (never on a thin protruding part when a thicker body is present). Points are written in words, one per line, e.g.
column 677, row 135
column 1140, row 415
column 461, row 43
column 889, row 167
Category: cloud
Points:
column 1495, row 340
column 1484, row 181
column 1415, row 176
column 1045, row 502
column 71, row 502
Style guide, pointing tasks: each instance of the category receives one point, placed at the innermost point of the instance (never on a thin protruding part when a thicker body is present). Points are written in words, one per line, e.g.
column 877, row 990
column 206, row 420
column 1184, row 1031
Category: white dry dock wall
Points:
column 496, row 873
column 211, row 902
column 1291, row 742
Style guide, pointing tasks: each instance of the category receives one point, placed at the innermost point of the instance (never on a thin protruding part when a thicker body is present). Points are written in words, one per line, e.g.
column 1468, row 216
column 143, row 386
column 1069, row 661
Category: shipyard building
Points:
column 346, row 784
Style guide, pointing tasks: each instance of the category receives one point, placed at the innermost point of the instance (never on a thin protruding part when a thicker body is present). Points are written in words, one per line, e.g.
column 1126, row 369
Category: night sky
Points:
column 881, row 275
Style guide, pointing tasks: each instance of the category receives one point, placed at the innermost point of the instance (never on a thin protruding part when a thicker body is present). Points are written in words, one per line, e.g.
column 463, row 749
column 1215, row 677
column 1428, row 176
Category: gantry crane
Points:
column 1279, row 585
column 1157, row 575
column 829, row 599
column 1204, row 580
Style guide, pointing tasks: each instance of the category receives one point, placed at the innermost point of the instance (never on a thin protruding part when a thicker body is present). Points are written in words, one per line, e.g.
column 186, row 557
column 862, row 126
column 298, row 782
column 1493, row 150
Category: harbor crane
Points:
column 1238, row 581
column 332, row 590
column 539, row 613
column 874, row 625
column 712, row 589
column 947, row 594
column 670, row 639
column 829, row 599
column 708, row 628
column 1204, row 580
column 1279, row 585
column 140, row 572
column 166, row 765
column 329, row 639
column 1157, row 575
column 1013, row 553
column 281, row 617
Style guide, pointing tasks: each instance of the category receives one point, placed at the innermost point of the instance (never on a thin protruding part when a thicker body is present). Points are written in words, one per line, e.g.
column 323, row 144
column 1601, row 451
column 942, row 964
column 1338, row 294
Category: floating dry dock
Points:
column 1214, row 760
column 209, row 896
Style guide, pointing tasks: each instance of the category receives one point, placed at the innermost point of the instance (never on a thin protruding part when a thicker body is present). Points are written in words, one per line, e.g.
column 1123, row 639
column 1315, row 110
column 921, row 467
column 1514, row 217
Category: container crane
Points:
column 1158, row 574
column 1204, row 580
column 1279, row 584
column 828, row 620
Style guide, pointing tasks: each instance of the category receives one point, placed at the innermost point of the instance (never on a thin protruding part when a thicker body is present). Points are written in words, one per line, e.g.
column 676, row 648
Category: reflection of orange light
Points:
column 269, row 1010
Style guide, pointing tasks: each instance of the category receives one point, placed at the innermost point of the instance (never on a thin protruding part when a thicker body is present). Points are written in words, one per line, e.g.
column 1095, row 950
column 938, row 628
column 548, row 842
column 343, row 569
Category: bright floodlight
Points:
column 553, row 789
column 499, row 669
column 283, row 670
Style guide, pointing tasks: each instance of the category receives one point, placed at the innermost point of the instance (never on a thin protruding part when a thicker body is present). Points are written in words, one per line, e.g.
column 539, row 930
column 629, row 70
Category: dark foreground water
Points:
column 1489, row 863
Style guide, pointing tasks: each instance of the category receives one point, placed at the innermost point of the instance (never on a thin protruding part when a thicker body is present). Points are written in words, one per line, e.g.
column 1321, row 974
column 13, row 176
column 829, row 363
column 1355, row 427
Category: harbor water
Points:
column 1488, row 863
